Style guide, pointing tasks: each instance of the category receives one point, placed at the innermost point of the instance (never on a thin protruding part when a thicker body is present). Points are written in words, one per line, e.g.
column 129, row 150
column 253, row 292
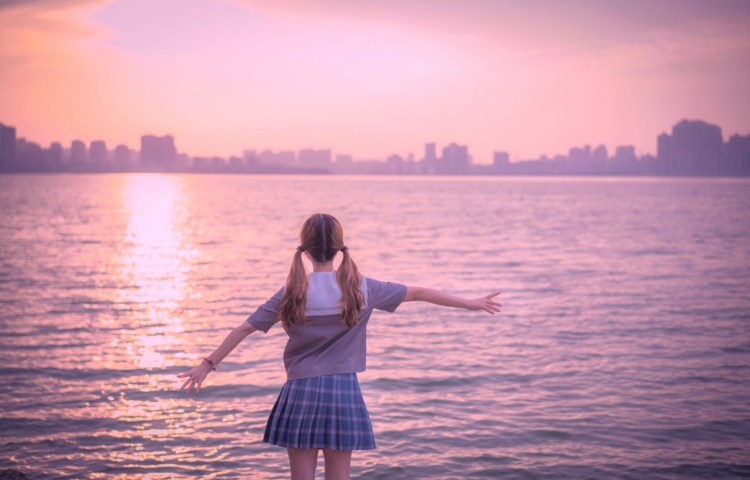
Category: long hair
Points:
column 322, row 237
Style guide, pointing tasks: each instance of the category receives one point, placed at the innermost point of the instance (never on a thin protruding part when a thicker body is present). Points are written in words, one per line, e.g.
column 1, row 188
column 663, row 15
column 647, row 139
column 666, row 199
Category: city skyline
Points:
column 693, row 148
column 372, row 77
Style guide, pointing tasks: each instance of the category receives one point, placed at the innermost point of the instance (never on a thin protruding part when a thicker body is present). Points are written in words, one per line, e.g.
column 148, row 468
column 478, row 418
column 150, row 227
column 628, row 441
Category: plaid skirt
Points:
column 321, row 412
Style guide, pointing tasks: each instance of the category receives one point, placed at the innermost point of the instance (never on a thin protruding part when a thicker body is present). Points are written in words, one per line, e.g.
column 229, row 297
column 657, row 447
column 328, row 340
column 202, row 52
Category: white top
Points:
column 324, row 294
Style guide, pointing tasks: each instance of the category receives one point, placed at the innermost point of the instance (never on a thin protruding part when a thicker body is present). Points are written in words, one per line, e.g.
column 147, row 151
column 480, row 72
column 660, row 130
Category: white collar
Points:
column 324, row 294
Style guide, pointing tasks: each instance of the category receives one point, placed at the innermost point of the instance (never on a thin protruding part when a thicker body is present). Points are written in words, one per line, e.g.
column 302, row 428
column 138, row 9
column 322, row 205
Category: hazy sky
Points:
column 372, row 78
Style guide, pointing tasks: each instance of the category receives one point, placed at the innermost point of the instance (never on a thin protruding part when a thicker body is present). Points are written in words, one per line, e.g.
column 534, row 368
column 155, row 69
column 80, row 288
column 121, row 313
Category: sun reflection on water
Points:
column 155, row 265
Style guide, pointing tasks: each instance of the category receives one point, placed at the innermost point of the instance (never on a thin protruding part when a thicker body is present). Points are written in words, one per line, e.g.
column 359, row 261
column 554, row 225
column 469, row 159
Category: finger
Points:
column 199, row 387
column 493, row 295
column 186, row 382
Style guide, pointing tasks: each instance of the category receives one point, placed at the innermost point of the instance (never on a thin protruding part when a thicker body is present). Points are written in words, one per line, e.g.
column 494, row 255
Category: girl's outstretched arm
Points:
column 198, row 373
column 421, row 294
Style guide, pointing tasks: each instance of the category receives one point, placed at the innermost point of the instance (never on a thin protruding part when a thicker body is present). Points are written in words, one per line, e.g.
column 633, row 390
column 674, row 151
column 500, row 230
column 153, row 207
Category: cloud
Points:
column 44, row 4
column 524, row 25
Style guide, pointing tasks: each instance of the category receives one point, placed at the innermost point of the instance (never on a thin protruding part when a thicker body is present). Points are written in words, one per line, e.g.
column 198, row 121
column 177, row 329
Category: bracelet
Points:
column 210, row 362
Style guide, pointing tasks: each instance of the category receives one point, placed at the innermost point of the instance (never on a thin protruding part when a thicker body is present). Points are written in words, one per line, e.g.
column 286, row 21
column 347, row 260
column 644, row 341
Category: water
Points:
column 623, row 348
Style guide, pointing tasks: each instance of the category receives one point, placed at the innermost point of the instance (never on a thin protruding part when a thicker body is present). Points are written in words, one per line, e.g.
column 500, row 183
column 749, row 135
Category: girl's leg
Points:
column 302, row 462
column 338, row 464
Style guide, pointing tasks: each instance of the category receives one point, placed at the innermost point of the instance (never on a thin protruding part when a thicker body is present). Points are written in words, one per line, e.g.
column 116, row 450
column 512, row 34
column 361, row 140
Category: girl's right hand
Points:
column 485, row 303
column 196, row 376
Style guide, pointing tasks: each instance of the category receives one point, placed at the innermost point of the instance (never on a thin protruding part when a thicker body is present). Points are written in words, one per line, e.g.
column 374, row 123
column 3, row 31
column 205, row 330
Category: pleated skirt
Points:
column 321, row 412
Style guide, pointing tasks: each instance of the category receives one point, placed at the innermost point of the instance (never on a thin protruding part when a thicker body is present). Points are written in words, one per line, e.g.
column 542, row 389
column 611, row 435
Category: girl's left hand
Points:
column 196, row 376
column 485, row 303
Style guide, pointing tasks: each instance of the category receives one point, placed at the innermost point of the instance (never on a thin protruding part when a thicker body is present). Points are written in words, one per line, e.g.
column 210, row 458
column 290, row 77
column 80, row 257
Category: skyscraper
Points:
column 286, row 159
column 98, row 152
column 7, row 147
column 429, row 162
column 77, row 152
column 54, row 156
column 694, row 148
column 579, row 159
column 599, row 159
column 309, row 158
column 122, row 155
column 736, row 159
column 158, row 153
column 455, row 160
column 500, row 162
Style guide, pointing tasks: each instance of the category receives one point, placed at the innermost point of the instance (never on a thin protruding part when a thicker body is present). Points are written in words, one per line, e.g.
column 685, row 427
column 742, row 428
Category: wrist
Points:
column 211, row 364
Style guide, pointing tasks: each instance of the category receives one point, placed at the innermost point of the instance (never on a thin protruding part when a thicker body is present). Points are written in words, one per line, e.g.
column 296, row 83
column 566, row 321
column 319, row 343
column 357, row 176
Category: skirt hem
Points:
column 288, row 444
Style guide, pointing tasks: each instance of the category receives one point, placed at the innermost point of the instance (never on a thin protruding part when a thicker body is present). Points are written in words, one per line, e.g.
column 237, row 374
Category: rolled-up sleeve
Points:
column 265, row 316
column 385, row 295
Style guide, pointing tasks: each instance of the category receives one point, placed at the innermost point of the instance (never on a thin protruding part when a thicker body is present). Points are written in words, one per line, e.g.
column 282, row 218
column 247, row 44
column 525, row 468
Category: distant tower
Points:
column 309, row 158
column 55, row 155
column 500, row 161
column 625, row 152
column 395, row 164
column 455, row 160
column 737, row 158
column 122, row 155
column 694, row 148
column 600, row 158
column 429, row 163
column 158, row 152
column 7, row 147
column 98, row 152
column 77, row 152
column 430, row 152
column 664, row 153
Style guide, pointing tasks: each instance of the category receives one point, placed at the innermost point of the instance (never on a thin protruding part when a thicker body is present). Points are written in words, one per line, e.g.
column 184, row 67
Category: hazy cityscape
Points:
column 694, row 148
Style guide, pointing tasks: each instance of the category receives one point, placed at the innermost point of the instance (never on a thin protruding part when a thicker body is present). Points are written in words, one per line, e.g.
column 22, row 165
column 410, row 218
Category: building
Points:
column 78, row 152
column 344, row 159
column 7, row 147
column 251, row 158
column 500, row 162
column 29, row 155
column 579, row 160
column 455, row 160
column 54, row 156
column 309, row 158
column 158, row 153
column 122, row 155
column 694, row 148
column 736, row 157
column 624, row 161
column 286, row 159
column 429, row 162
column 599, row 159
column 98, row 152
column 237, row 164
column 664, row 153
column 395, row 164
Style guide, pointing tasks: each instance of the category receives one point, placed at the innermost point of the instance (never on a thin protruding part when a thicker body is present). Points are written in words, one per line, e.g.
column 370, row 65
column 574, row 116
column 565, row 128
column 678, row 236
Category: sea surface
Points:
column 622, row 350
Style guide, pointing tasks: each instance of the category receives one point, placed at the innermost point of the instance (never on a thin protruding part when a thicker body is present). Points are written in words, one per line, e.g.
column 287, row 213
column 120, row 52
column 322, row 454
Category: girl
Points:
column 325, row 315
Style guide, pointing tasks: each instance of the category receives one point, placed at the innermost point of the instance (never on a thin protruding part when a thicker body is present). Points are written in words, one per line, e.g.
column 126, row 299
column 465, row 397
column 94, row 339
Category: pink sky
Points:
column 373, row 78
